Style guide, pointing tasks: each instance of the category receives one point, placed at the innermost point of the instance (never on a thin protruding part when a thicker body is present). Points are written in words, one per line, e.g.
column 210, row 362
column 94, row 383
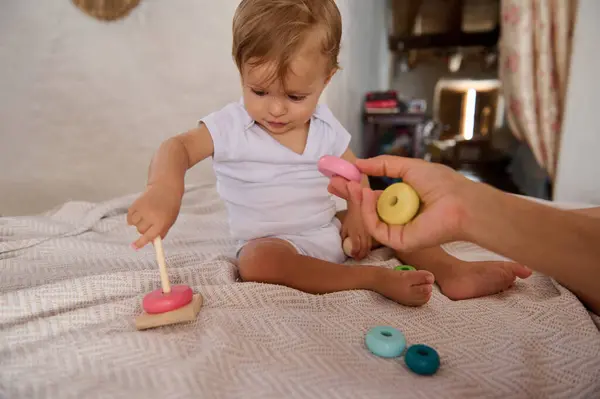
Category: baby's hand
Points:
column 354, row 228
column 153, row 213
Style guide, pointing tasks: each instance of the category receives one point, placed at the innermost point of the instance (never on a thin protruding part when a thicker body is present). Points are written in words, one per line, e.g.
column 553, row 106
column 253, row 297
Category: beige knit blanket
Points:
column 70, row 287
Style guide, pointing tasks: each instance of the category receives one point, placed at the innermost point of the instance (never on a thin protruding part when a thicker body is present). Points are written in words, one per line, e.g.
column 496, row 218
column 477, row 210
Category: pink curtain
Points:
column 535, row 52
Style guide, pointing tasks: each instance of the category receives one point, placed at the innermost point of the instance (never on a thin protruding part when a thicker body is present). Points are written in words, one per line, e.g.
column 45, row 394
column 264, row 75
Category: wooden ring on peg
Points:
column 159, row 302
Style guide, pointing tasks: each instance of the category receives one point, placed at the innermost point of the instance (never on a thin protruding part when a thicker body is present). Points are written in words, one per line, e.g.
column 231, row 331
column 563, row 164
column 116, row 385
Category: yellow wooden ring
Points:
column 398, row 204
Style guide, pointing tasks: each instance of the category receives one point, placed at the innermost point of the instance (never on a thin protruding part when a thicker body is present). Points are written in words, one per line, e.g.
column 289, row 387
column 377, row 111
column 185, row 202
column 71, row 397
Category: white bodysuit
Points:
column 271, row 191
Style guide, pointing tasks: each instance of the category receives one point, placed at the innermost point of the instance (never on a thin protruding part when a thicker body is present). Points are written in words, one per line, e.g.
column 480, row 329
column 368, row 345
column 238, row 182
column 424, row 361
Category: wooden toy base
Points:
column 187, row 313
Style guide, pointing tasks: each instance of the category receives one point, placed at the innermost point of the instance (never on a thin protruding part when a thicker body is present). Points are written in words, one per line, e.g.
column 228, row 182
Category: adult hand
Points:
column 446, row 197
column 559, row 243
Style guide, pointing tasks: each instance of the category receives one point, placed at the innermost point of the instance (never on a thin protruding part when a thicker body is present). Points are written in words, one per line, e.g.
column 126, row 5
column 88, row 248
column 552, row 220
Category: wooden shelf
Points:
column 445, row 40
column 395, row 119
column 374, row 124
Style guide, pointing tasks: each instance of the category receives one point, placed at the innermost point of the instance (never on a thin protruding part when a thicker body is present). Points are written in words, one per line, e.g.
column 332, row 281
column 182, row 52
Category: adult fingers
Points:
column 380, row 231
column 388, row 165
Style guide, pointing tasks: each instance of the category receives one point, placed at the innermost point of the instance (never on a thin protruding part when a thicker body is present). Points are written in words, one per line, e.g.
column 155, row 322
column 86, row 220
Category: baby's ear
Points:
column 330, row 75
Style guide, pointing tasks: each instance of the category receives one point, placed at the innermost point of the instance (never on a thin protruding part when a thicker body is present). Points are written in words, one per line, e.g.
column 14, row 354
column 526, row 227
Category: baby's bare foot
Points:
column 411, row 288
column 475, row 279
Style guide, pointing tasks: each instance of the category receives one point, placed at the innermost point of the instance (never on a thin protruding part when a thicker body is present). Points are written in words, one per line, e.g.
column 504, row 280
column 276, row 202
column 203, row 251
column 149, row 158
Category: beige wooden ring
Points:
column 347, row 246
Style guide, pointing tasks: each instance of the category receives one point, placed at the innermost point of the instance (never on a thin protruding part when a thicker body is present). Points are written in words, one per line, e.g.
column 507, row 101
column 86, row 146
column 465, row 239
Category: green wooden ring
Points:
column 405, row 268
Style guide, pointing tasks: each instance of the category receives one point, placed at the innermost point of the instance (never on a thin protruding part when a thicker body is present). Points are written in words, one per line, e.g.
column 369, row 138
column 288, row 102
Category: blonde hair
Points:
column 267, row 31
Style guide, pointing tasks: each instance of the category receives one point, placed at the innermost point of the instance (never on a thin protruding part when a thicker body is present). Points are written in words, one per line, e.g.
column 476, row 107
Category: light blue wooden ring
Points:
column 385, row 341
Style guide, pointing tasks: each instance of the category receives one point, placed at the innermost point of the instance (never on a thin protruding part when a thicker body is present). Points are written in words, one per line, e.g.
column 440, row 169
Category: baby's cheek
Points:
column 253, row 109
column 306, row 110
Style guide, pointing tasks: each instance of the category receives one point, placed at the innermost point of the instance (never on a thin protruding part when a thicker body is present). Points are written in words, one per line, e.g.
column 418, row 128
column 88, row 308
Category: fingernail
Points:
column 132, row 246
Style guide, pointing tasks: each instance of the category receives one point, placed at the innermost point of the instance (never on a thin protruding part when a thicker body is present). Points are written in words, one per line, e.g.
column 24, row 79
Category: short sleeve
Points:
column 342, row 140
column 340, row 137
column 225, row 126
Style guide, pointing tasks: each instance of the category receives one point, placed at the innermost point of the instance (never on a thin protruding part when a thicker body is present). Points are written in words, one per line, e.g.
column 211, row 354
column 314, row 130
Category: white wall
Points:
column 84, row 104
column 579, row 160
column 365, row 61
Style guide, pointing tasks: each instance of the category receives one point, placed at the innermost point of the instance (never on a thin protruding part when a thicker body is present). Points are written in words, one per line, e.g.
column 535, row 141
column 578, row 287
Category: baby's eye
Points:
column 259, row 93
column 296, row 98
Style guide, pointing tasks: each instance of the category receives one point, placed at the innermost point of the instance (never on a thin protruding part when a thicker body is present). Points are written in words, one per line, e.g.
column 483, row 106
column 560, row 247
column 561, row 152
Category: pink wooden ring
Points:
column 332, row 166
column 157, row 302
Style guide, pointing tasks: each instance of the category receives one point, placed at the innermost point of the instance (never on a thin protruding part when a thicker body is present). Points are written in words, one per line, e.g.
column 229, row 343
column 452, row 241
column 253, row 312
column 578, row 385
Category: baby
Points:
column 265, row 150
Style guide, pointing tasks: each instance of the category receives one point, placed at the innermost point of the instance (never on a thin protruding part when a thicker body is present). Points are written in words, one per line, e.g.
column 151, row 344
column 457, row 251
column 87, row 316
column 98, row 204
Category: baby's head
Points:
column 286, row 52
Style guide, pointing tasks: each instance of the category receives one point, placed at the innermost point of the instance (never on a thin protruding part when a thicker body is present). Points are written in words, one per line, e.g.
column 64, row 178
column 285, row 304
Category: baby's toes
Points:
column 417, row 277
column 411, row 288
column 520, row 270
column 419, row 285
column 419, row 294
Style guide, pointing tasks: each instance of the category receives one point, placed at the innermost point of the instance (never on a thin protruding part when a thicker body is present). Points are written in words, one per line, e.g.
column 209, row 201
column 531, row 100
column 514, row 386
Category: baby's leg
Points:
column 458, row 279
column 276, row 261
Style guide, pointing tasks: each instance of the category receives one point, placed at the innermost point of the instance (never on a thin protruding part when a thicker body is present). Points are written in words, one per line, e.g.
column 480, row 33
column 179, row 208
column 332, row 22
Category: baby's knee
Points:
column 250, row 267
column 260, row 263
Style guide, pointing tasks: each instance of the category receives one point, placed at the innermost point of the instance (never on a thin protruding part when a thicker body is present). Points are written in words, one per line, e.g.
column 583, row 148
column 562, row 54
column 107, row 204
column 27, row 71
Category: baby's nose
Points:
column 276, row 108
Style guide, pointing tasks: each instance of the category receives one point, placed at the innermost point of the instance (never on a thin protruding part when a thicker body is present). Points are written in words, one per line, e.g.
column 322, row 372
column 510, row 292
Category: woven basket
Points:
column 106, row 10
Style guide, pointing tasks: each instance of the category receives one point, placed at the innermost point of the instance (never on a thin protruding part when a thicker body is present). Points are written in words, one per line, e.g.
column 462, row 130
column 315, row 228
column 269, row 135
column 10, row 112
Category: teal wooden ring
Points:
column 404, row 268
column 385, row 341
column 422, row 359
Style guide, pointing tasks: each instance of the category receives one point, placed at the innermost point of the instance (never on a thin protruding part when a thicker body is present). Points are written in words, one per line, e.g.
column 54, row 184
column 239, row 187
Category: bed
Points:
column 70, row 288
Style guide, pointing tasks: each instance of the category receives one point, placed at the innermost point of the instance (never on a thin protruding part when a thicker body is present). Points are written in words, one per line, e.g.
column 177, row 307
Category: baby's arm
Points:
column 352, row 224
column 156, row 210
column 178, row 154
column 349, row 156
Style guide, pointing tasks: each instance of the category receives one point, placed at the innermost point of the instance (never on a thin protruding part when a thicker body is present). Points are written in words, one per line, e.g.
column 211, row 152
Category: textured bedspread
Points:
column 70, row 287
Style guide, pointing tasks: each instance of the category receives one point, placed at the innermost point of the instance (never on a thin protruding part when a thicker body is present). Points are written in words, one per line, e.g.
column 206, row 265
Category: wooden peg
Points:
column 162, row 265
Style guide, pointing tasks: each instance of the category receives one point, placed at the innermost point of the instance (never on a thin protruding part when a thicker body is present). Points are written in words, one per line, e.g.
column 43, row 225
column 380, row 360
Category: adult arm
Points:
column 563, row 244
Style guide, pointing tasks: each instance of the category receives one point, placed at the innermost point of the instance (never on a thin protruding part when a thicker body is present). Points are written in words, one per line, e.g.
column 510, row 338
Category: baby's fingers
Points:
column 143, row 226
column 146, row 238
column 133, row 217
column 365, row 245
column 355, row 246
column 355, row 192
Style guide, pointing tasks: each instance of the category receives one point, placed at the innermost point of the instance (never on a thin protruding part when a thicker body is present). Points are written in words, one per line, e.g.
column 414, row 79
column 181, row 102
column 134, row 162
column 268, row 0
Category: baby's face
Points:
column 281, row 110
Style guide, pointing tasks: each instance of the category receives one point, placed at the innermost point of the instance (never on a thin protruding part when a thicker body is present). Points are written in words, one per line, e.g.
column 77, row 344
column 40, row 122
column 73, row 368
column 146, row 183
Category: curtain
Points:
column 535, row 52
